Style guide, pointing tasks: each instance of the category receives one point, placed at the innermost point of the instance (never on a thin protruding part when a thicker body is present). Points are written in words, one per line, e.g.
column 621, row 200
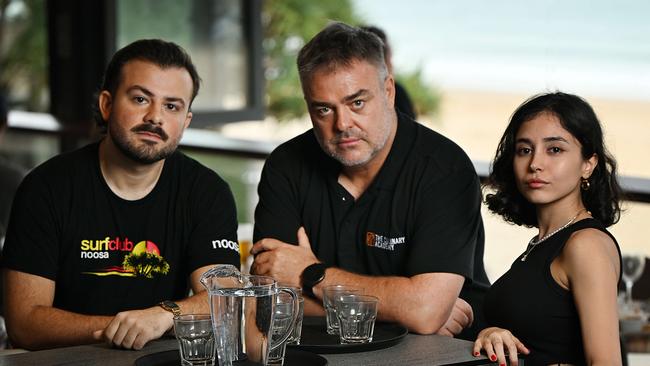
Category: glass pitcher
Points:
column 242, row 309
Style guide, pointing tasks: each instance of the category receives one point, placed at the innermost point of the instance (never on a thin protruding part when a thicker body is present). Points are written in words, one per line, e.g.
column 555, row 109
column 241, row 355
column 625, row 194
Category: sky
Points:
column 597, row 47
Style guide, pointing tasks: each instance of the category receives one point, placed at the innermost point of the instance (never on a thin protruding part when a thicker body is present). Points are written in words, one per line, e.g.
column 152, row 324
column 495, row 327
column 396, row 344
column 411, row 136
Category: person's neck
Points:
column 552, row 217
column 127, row 179
column 357, row 179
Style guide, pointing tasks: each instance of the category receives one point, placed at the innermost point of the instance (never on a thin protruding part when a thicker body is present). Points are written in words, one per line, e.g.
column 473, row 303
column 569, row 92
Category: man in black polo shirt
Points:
column 371, row 200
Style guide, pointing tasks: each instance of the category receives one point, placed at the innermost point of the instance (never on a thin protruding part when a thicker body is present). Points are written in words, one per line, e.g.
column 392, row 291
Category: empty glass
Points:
column 329, row 295
column 195, row 339
column 356, row 314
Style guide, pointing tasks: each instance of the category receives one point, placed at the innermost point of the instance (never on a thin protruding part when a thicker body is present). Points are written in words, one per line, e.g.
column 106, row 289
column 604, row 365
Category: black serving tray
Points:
column 293, row 357
column 315, row 338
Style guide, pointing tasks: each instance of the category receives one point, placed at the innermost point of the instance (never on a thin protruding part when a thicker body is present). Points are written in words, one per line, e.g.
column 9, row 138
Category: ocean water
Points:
column 597, row 48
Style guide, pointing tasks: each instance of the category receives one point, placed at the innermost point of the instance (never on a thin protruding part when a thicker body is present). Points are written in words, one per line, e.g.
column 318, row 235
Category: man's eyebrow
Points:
column 360, row 93
column 142, row 89
column 149, row 93
column 346, row 99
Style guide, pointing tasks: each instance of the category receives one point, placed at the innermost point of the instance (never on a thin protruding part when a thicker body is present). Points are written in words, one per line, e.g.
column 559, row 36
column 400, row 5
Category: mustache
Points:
column 145, row 127
column 346, row 135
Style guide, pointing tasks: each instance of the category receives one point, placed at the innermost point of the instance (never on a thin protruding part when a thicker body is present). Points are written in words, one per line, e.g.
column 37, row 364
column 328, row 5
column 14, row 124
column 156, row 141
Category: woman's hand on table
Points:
column 495, row 341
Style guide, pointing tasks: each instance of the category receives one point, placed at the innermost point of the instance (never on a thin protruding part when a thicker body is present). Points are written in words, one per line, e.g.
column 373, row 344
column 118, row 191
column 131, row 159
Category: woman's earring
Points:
column 584, row 184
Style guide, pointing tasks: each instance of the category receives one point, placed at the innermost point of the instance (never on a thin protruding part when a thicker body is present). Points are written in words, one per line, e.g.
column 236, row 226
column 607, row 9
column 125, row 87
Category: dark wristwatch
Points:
column 311, row 276
column 171, row 306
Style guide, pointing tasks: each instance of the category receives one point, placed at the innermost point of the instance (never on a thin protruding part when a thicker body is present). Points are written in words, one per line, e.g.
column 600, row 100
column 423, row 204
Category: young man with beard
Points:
column 105, row 242
column 370, row 199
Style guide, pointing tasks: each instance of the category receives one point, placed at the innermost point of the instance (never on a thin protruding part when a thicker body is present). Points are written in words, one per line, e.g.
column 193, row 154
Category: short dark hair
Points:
column 4, row 110
column 339, row 44
column 379, row 33
column 578, row 118
column 162, row 53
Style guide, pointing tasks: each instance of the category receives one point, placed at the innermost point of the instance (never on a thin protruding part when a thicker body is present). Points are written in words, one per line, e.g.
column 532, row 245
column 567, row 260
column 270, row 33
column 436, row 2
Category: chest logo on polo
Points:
column 140, row 260
column 383, row 242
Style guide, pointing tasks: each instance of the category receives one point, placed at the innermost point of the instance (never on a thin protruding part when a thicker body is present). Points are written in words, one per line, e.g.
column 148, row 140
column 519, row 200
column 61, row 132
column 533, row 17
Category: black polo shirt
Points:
column 421, row 214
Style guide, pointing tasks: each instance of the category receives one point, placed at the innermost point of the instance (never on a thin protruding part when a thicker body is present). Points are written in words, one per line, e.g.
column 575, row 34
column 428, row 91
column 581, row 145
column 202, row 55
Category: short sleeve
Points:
column 448, row 225
column 213, row 238
column 33, row 241
column 277, row 214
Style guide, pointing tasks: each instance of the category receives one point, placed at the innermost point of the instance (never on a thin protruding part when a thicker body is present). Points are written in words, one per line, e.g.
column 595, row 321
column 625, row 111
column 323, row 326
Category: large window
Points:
column 23, row 54
column 220, row 36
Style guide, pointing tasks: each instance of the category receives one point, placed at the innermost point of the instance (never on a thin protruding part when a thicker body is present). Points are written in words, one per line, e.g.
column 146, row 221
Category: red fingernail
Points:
column 477, row 354
column 493, row 358
column 503, row 364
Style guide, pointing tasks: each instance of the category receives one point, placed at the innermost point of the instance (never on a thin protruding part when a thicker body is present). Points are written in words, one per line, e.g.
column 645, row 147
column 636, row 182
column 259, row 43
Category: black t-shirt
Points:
column 527, row 301
column 10, row 177
column 107, row 254
column 421, row 214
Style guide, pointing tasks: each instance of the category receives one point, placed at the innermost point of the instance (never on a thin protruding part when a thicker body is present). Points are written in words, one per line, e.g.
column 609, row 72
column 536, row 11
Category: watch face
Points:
column 313, row 274
column 170, row 304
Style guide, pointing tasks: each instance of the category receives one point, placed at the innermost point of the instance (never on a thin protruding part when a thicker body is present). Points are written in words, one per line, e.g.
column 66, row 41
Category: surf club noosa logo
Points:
column 140, row 260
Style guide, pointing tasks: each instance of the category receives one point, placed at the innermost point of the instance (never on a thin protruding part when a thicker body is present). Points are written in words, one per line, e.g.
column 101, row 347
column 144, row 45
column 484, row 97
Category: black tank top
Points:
column 527, row 301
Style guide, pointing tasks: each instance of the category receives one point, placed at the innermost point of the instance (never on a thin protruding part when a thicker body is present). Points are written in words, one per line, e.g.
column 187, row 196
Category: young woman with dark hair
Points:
column 557, row 303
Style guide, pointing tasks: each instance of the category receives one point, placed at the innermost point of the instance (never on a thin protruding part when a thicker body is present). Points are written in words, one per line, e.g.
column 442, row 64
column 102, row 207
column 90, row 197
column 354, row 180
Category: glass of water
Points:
column 195, row 339
column 356, row 314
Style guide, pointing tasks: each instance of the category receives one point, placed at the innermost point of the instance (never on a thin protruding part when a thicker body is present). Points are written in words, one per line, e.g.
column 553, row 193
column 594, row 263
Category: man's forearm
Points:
column 422, row 303
column 48, row 327
column 199, row 303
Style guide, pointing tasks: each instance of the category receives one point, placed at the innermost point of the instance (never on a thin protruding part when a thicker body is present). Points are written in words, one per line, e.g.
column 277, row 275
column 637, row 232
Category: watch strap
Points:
column 312, row 275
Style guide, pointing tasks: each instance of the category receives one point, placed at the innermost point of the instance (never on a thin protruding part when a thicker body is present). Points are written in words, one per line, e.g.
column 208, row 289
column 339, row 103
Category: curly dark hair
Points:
column 162, row 53
column 579, row 119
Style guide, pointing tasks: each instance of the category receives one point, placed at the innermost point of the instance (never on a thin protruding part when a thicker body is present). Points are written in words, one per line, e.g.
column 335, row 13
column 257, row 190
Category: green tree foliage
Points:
column 426, row 99
column 145, row 264
column 23, row 52
column 288, row 25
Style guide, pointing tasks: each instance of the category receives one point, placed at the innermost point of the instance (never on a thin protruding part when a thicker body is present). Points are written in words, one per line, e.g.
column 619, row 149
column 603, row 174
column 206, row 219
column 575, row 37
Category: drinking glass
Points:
column 329, row 295
column 195, row 339
column 356, row 314
column 633, row 265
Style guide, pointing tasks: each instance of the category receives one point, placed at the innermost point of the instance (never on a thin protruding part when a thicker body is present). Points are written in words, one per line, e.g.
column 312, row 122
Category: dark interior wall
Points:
column 79, row 38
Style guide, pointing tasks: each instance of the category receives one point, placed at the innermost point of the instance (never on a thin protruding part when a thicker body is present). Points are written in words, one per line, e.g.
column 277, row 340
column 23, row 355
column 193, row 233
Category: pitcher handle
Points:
column 289, row 330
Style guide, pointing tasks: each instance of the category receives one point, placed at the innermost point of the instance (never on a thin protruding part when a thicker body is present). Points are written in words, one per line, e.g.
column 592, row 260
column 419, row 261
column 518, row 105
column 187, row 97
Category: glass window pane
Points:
column 211, row 31
column 23, row 54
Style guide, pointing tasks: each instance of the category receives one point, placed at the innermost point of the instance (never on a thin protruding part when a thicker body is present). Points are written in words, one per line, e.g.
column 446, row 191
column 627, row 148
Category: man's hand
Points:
column 135, row 328
column 460, row 318
column 284, row 262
